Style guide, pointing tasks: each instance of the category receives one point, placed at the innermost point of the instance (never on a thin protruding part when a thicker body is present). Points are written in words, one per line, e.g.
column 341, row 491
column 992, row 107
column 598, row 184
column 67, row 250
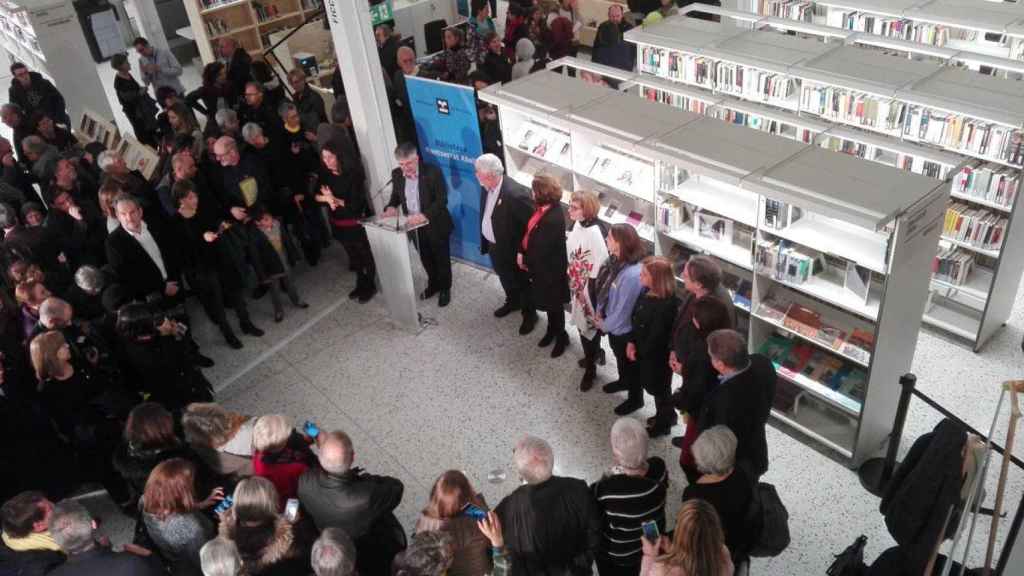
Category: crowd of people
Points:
column 100, row 371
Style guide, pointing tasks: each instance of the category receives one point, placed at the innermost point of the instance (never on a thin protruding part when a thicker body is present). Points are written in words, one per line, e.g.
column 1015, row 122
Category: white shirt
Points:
column 412, row 195
column 486, row 227
column 145, row 239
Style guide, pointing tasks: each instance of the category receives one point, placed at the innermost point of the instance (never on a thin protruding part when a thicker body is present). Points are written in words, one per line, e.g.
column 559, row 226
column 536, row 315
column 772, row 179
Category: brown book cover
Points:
column 803, row 321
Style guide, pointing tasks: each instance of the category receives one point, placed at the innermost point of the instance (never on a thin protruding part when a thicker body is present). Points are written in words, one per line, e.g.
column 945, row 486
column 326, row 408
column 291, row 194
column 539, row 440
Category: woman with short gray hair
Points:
column 219, row 557
column 724, row 486
column 631, row 493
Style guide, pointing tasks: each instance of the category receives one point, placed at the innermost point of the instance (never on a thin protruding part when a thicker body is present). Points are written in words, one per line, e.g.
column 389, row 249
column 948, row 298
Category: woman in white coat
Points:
column 587, row 252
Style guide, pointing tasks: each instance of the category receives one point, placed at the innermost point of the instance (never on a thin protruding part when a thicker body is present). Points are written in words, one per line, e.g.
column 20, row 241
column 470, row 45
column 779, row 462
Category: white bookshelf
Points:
column 898, row 102
column 884, row 219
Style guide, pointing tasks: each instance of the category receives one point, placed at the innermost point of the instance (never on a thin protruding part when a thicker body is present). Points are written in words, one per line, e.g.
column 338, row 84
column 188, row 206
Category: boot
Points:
column 229, row 336
column 561, row 343
column 589, row 375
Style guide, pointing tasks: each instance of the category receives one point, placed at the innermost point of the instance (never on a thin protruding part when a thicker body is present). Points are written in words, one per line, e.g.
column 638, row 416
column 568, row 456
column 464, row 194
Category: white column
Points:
column 356, row 51
column 150, row 25
column 68, row 58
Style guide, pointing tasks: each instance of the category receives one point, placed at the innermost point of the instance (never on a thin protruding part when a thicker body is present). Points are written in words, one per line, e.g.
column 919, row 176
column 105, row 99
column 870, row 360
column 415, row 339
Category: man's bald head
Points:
column 336, row 452
column 226, row 151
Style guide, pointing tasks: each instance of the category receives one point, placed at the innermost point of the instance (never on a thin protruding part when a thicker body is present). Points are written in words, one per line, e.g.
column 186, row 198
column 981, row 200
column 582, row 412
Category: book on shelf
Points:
column 952, row 265
column 670, row 177
column 753, row 83
column 964, row 134
column 776, row 214
column 859, row 345
column 977, row 227
column 799, row 358
column 800, row 10
column 786, row 262
column 714, row 227
column 773, row 309
column 802, row 320
column 857, row 280
column 740, row 289
column 673, row 214
column 635, row 219
column 994, row 185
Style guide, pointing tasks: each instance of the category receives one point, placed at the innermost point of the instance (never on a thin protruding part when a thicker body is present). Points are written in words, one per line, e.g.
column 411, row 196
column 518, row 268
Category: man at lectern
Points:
column 420, row 191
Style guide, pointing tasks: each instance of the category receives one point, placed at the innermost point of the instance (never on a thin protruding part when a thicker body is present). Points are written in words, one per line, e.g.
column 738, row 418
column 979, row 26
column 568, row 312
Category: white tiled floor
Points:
column 460, row 393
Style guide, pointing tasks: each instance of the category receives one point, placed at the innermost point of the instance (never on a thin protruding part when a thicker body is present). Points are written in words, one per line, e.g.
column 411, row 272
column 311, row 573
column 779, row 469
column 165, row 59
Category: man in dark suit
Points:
column 505, row 210
column 420, row 191
column 72, row 528
column 742, row 400
column 239, row 65
column 142, row 259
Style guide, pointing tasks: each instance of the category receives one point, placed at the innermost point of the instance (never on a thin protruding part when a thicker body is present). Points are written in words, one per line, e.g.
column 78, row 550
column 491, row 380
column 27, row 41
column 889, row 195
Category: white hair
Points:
column 54, row 310
column 225, row 116
column 251, row 131
column 106, row 159
column 629, row 443
column 333, row 554
column 489, row 164
column 715, row 450
column 219, row 557
column 534, row 459
column 70, row 525
column 271, row 432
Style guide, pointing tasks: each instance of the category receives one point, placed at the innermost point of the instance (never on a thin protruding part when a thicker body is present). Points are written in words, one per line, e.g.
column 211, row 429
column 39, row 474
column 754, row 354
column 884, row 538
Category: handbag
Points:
column 772, row 536
column 850, row 562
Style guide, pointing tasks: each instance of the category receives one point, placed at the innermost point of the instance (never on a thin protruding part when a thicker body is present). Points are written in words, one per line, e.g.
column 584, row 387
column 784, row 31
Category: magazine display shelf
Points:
column 991, row 28
column 838, row 343
column 935, row 106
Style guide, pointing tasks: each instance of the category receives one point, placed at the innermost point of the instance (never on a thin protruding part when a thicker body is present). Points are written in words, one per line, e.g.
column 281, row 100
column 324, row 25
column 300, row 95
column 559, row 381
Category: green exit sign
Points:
column 381, row 12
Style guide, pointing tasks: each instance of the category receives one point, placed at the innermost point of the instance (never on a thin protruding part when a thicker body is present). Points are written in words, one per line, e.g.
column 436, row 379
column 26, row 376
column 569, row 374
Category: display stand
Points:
column 952, row 111
column 742, row 196
column 389, row 241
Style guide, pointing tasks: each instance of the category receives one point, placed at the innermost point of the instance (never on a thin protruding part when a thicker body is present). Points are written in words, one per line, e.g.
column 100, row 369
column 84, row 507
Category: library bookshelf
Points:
column 249, row 22
column 990, row 28
column 965, row 127
column 828, row 256
column 18, row 37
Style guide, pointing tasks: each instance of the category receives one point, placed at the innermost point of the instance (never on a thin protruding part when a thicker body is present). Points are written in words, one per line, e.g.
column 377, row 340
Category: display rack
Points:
column 902, row 101
column 839, row 343
column 249, row 22
column 991, row 28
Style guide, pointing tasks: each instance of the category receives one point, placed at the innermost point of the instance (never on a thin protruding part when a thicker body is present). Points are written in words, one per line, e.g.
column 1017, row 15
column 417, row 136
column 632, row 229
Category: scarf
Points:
column 34, row 541
column 534, row 220
column 606, row 277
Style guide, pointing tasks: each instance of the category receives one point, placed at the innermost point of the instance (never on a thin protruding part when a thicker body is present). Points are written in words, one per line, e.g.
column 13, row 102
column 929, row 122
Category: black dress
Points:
column 349, row 187
column 547, row 261
column 652, row 334
column 731, row 498
column 138, row 107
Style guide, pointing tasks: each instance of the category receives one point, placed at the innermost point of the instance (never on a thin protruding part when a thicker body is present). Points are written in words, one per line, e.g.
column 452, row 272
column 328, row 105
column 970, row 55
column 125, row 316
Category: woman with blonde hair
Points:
column 280, row 454
column 697, row 547
column 542, row 254
column 454, row 508
column 173, row 516
column 267, row 542
column 648, row 348
column 587, row 253
column 221, row 437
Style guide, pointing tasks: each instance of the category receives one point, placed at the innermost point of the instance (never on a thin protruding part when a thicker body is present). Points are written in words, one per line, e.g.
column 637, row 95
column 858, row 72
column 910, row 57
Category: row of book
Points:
column 959, row 132
column 857, row 344
column 753, row 83
column 679, row 101
column 627, row 174
column 677, row 66
column 852, row 107
column 786, row 262
column 997, row 186
column 908, row 162
column 952, row 265
column 758, row 122
column 975, row 226
column 799, row 358
column 800, row 10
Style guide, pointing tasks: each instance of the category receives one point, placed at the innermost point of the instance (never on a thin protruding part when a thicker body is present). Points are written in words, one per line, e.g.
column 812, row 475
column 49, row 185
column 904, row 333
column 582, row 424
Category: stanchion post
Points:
column 875, row 473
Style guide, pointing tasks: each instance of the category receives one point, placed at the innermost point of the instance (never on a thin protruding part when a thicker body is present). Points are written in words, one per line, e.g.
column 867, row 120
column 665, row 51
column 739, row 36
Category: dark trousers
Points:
column 286, row 284
column 436, row 260
column 606, row 567
column 515, row 282
column 214, row 297
column 556, row 320
column 591, row 348
column 627, row 369
column 360, row 256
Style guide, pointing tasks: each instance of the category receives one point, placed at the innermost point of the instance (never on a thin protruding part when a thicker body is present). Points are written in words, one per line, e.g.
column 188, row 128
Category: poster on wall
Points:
column 449, row 138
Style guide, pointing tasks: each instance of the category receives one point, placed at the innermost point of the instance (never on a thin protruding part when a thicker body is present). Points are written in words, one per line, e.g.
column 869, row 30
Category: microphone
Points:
column 378, row 193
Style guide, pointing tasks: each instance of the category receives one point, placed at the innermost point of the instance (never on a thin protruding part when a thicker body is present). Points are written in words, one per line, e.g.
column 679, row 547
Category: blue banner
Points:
column 449, row 135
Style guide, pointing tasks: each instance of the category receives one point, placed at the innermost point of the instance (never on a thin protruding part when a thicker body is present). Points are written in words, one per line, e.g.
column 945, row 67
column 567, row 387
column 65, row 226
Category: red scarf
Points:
column 534, row 220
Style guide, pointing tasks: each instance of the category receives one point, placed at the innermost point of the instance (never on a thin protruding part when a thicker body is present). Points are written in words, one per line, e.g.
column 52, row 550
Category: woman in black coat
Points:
column 341, row 187
column 542, row 254
column 709, row 314
column 135, row 101
column 215, row 93
column 648, row 347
